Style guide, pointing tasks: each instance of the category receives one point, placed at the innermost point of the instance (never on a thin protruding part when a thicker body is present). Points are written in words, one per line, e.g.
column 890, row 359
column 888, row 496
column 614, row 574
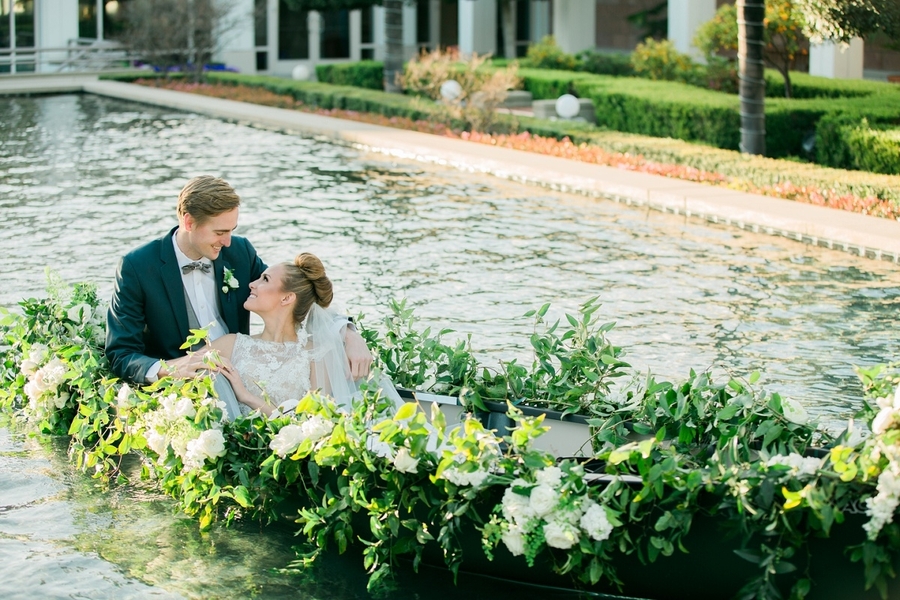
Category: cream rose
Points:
column 543, row 499
column 287, row 440
column 405, row 463
column 560, row 534
column 514, row 539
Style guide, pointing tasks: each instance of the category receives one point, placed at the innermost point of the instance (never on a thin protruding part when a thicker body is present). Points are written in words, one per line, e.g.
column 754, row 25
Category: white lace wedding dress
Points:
column 279, row 371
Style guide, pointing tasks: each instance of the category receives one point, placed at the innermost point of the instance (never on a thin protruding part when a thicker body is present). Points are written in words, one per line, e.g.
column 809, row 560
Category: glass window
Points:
column 113, row 21
column 261, row 22
column 423, row 22
column 87, row 19
column 367, row 25
column 293, row 33
column 523, row 27
column 335, row 34
column 24, row 15
column 4, row 23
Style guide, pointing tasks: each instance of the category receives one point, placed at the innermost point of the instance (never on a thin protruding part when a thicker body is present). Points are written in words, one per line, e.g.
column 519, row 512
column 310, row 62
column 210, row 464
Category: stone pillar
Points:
column 410, row 47
column 685, row 16
column 478, row 26
column 434, row 24
column 238, row 43
column 355, row 34
column 378, row 32
column 837, row 61
column 540, row 20
column 314, row 26
column 575, row 25
column 56, row 23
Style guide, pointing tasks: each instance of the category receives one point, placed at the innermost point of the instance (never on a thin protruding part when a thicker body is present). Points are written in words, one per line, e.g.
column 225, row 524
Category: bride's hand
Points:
column 224, row 366
column 358, row 355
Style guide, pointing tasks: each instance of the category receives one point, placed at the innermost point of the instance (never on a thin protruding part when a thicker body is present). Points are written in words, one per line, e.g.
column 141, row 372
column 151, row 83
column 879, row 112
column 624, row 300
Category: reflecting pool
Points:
column 83, row 179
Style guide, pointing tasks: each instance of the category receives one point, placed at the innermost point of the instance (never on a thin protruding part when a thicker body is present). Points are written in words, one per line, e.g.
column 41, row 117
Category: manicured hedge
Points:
column 849, row 141
column 756, row 170
column 367, row 74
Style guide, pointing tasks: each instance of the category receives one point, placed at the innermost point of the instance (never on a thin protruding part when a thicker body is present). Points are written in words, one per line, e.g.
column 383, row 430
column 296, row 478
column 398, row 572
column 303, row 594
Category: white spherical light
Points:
column 450, row 90
column 567, row 106
column 300, row 72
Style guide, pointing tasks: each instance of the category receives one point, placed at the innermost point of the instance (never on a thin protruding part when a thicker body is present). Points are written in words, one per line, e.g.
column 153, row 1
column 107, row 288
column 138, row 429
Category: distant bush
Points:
column 546, row 54
column 661, row 61
column 850, row 142
column 367, row 74
column 606, row 63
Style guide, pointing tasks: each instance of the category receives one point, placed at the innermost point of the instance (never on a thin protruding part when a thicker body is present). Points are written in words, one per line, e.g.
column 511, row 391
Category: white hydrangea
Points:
column 549, row 476
column 881, row 507
column 800, row 466
column 463, row 478
column 37, row 354
column 561, row 534
column 516, row 507
column 595, row 522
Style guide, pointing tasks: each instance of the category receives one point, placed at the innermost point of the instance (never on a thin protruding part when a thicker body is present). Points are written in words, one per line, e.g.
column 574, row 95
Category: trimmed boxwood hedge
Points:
column 757, row 170
column 367, row 74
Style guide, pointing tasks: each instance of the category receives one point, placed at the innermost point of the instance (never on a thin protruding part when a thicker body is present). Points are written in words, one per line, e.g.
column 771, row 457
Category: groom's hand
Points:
column 358, row 354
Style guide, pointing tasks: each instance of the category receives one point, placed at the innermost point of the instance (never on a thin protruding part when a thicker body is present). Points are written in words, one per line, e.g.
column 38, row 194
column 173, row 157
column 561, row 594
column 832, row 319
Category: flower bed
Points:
column 866, row 193
column 672, row 462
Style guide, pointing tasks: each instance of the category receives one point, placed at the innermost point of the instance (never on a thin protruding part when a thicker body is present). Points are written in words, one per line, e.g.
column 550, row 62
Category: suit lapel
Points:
column 172, row 282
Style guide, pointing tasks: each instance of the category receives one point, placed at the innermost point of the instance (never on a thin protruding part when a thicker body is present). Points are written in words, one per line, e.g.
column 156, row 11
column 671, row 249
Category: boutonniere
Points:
column 231, row 282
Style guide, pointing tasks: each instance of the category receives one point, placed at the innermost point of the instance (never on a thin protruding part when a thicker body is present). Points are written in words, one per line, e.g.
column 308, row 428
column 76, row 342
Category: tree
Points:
column 751, row 14
column 178, row 33
column 842, row 20
column 783, row 34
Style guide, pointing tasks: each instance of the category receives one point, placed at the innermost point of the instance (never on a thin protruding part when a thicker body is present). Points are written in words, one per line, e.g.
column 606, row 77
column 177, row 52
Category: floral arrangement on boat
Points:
column 766, row 504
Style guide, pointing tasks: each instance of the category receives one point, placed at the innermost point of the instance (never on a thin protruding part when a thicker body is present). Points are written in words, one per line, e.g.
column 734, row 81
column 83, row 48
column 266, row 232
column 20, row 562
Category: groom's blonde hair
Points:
column 206, row 196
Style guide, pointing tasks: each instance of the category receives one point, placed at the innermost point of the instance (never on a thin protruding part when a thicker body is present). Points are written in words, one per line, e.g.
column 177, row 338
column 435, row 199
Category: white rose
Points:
column 168, row 403
column 209, row 444
column 559, row 534
column 550, row 476
column 80, row 313
column 317, row 427
column 794, row 411
column 463, row 478
column 404, row 462
column 38, row 353
column 52, row 374
column 595, row 522
column 514, row 539
column 287, row 440
column 60, row 401
column 543, row 499
column 29, row 367
column 122, row 395
column 33, row 392
column 883, row 420
column 516, row 507
column 184, row 408
column 156, row 442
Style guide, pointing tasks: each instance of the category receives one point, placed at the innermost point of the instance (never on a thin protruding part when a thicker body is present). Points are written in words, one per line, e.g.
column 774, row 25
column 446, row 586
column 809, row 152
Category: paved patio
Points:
column 859, row 234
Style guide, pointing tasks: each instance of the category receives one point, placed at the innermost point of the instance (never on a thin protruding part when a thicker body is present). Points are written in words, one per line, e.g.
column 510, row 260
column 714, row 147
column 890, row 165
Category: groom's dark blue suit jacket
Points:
column 148, row 318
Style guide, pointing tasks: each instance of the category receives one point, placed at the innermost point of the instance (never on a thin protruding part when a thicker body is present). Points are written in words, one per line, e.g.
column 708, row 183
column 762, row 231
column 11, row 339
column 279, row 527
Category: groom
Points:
column 196, row 275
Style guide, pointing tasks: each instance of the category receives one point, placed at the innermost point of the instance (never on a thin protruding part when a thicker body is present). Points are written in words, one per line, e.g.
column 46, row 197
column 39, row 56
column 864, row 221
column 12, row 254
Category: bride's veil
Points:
column 329, row 360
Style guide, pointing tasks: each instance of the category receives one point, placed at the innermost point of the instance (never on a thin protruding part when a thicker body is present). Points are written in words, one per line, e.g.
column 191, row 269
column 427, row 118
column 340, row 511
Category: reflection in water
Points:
column 83, row 179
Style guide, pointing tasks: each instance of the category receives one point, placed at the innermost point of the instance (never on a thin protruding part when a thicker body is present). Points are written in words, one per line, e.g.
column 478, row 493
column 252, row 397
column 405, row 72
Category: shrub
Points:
column 482, row 89
column 659, row 60
column 606, row 63
column 547, row 55
column 850, row 142
column 367, row 74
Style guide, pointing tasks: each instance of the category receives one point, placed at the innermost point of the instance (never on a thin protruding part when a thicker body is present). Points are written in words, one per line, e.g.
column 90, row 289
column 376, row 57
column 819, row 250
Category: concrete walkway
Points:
column 858, row 234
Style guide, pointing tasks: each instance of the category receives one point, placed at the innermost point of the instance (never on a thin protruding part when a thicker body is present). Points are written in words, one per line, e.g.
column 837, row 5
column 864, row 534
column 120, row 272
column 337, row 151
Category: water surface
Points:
column 83, row 179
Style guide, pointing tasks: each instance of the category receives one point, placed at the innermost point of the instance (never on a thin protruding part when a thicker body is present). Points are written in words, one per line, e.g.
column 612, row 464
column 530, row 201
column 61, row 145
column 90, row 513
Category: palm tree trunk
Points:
column 752, row 84
column 509, row 29
column 393, row 34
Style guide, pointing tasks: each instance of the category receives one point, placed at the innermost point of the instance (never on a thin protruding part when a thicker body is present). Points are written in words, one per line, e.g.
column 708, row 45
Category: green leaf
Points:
column 242, row 496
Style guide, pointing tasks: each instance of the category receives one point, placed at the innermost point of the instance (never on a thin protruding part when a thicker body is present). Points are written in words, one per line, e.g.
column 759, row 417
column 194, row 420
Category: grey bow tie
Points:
column 204, row 267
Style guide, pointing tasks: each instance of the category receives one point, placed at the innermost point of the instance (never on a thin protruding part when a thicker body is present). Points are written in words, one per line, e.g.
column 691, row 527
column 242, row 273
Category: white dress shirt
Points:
column 201, row 290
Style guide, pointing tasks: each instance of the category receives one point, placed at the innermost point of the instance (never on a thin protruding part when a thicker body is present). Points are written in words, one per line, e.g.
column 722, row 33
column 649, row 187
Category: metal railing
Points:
column 79, row 55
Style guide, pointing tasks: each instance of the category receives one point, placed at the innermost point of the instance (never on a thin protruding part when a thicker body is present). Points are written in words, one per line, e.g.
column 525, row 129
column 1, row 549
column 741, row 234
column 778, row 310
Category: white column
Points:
column 56, row 24
column 478, row 26
column 575, row 24
column 378, row 33
column 355, row 34
column 314, row 23
column 836, row 60
column 410, row 48
column 685, row 16
column 540, row 20
column 237, row 40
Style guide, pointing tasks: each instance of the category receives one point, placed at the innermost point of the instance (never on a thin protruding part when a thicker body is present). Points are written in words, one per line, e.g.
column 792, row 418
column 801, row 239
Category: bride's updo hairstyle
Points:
column 306, row 278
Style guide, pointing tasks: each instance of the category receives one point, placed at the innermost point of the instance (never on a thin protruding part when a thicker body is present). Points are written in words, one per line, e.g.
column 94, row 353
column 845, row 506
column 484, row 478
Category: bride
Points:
column 298, row 350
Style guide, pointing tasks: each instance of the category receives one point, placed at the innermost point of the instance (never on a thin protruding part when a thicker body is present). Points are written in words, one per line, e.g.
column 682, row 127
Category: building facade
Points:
column 268, row 36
